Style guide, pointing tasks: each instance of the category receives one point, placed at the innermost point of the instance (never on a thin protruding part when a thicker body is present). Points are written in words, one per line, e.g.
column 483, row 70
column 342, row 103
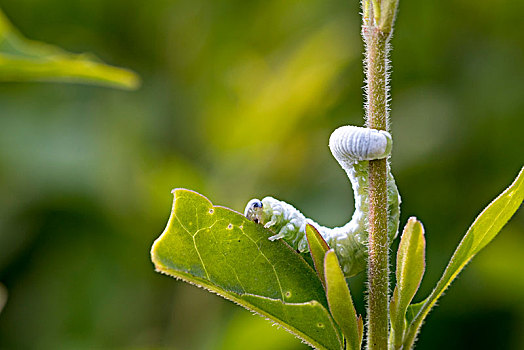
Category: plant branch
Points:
column 378, row 17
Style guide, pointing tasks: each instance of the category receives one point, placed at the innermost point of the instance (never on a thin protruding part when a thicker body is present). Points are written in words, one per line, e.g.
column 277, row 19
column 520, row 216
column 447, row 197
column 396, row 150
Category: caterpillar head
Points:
column 255, row 211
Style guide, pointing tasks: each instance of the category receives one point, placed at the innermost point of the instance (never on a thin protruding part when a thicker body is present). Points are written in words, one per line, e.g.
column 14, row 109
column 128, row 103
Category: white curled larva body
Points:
column 352, row 147
column 352, row 144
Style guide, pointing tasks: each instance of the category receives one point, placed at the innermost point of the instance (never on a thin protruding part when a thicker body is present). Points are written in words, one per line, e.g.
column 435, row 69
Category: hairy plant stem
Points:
column 377, row 90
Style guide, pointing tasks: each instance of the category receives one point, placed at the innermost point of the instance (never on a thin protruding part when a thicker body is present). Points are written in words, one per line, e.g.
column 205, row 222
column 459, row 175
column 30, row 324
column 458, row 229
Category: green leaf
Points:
column 317, row 248
column 411, row 263
column 413, row 310
column 485, row 227
column 219, row 249
column 360, row 324
column 388, row 10
column 340, row 302
column 26, row 60
column 310, row 318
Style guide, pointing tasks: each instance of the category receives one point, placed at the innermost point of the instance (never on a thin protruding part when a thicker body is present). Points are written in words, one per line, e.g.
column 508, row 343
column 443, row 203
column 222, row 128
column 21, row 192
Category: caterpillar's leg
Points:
column 303, row 245
column 275, row 218
column 294, row 233
column 284, row 232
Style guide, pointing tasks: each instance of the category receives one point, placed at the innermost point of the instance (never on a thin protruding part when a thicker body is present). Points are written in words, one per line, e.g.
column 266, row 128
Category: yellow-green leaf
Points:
column 411, row 263
column 317, row 248
column 22, row 59
column 340, row 302
column 360, row 324
column 221, row 250
column 485, row 227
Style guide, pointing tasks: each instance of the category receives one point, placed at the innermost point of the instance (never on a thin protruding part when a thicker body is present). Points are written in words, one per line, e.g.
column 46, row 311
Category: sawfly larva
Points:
column 353, row 147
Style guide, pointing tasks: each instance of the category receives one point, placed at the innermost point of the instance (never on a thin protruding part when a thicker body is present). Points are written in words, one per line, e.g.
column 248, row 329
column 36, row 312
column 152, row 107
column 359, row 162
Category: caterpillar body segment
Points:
column 352, row 147
column 351, row 144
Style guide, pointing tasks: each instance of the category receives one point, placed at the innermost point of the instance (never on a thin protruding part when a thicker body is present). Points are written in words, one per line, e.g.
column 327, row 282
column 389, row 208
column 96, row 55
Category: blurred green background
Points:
column 238, row 101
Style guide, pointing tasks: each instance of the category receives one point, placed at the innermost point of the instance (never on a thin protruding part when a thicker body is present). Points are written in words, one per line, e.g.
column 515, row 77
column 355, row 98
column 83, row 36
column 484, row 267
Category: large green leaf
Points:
column 411, row 263
column 26, row 60
column 485, row 227
column 219, row 249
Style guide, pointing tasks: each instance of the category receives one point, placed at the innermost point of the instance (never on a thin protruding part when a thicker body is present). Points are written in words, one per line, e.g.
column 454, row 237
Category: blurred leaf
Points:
column 496, row 266
column 340, row 302
column 282, row 90
column 411, row 263
column 485, row 227
column 317, row 248
column 26, row 60
column 244, row 331
column 3, row 296
column 222, row 251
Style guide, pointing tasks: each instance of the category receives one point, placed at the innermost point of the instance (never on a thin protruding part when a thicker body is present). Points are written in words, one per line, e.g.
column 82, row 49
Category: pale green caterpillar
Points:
column 353, row 147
